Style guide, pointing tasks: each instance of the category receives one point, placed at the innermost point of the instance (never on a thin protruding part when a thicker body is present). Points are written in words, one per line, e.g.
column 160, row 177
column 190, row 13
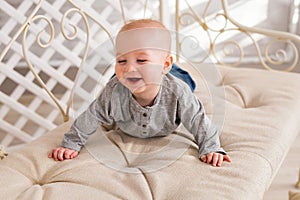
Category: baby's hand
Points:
column 61, row 153
column 215, row 159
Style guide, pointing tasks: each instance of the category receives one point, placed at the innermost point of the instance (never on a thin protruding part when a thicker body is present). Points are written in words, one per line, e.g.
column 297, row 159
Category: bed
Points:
column 256, row 110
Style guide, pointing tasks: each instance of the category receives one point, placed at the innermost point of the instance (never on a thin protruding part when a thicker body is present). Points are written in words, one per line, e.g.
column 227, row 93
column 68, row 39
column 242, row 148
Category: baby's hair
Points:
column 146, row 23
column 142, row 23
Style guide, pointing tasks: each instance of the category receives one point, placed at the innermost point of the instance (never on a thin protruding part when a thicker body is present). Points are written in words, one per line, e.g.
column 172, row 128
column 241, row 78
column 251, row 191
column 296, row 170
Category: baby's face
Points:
column 142, row 57
column 140, row 70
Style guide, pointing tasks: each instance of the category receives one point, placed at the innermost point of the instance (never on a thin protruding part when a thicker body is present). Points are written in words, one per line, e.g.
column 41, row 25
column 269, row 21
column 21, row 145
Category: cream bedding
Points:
column 258, row 119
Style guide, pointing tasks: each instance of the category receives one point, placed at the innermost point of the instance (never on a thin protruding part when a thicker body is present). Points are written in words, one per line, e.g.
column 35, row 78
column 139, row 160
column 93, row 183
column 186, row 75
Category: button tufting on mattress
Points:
column 235, row 96
column 37, row 185
column 242, row 98
column 40, row 182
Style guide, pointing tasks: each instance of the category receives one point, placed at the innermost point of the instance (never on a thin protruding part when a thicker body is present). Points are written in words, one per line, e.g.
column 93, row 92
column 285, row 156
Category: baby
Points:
column 144, row 100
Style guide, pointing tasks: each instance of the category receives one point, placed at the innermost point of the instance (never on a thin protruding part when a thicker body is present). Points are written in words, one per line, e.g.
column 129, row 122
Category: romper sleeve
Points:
column 98, row 113
column 193, row 117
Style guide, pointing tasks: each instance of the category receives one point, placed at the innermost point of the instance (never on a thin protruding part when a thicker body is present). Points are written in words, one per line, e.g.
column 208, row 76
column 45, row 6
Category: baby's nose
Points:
column 130, row 67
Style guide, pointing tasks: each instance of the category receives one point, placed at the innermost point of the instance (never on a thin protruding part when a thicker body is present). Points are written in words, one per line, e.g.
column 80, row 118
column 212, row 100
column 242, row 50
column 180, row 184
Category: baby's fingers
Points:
column 67, row 154
column 74, row 154
column 70, row 154
column 54, row 154
column 60, row 154
column 227, row 158
column 50, row 155
column 217, row 160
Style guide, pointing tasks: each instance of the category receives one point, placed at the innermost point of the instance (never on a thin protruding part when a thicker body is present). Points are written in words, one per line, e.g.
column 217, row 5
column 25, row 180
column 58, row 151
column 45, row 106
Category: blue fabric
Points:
column 182, row 75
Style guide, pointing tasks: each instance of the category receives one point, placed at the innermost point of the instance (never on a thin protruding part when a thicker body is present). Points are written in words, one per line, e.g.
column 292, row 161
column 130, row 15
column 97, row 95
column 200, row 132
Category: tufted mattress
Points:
column 257, row 112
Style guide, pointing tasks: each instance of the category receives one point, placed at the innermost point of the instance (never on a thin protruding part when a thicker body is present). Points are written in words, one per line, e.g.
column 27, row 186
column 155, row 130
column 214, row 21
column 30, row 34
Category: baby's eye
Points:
column 141, row 60
column 121, row 61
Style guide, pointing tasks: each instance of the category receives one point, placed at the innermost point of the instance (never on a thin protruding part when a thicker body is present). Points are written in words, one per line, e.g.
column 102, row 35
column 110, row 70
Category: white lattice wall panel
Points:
column 26, row 110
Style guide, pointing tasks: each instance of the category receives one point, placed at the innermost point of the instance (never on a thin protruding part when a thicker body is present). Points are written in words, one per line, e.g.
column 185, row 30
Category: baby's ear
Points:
column 168, row 64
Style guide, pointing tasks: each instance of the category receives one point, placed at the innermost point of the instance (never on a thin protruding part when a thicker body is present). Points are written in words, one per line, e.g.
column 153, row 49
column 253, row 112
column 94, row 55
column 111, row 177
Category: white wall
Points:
column 272, row 14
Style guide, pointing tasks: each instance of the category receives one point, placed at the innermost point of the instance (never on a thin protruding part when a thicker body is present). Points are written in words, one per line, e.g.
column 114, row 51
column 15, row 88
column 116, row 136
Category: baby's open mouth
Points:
column 134, row 80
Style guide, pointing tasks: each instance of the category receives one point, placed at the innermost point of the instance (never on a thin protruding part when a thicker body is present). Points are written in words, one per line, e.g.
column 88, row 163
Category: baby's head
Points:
column 143, row 34
column 142, row 54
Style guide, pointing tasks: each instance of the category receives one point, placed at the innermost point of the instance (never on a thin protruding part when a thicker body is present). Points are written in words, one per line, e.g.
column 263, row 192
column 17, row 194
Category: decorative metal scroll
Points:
column 65, row 114
column 230, row 48
column 56, row 57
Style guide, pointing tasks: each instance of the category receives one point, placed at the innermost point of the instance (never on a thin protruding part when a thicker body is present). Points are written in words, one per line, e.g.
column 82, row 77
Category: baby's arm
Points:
column 76, row 137
column 61, row 153
column 215, row 159
column 85, row 125
column 193, row 117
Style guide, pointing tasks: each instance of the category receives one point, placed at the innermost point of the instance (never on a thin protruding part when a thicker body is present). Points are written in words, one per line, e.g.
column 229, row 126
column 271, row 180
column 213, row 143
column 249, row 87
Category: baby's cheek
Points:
column 118, row 72
column 152, row 73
